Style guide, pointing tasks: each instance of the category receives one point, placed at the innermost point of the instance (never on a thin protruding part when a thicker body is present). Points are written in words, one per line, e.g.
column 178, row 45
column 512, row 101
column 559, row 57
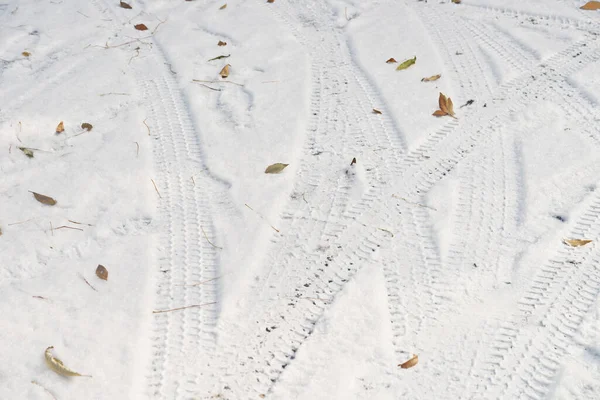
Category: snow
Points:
column 444, row 239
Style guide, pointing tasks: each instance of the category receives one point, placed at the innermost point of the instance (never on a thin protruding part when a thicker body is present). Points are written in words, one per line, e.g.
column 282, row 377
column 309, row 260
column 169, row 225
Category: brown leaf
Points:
column 223, row 6
column 141, row 27
column 222, row 43
column 376, row 111
column 431, row 78
column 25, row 54
column 275, row 168
column 410, row 363
column 44, row 199
column 450, row 107
column 442, row 103
column 101, row 272
column 391, row 61
column 591, row 5
column 88, row 127
column 125, row 5
column 225, row 71
column 270, row 1
column 577, row 242
column 439, row 113
column 353, row 161
column 456, row 1
column 60, row 128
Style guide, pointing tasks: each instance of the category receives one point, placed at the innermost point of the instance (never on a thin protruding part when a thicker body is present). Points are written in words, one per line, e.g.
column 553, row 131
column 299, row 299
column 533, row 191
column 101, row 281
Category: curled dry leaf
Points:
column 28, row 152
column 88, row 127
column 44, row 199
column 577, row 242
column 376, row 111
column 224, row 6
column 432, row 78
column 60, row 128
column 591, row 5
column 391, row 61
column 102, row 272
column 407, row 63
column 353, row 161
column 225, row 71
column 141, row 27
column 221, row 43
column 57, row 366
column 125, row 5
column 25, row 54
column 275, row 168
column 410, row 363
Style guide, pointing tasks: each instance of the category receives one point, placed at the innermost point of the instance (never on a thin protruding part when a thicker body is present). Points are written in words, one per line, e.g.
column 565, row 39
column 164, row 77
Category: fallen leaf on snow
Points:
column 222, row 43
column 391, row 61
column 88, row 127
column 577, row 242
column 407, row 63
column 353, row 161
column 275, row 168
column 60, row 128
column 591, row 5
column 57, row 366
column 270, row 1
column 432, row 78
column 44, row 199
column 28, row 152
column 446, row 107
column 456, row 1
column 25, row 54
column 219, row 57
column 223, row 6
column 125, row 5
column 376, row 111
column 141, row 27
column 410, row 363
column 102, row 272
column 225, row 71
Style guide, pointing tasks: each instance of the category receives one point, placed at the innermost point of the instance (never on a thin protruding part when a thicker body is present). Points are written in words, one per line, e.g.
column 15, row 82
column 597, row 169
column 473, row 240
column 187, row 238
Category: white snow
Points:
column 444, row 239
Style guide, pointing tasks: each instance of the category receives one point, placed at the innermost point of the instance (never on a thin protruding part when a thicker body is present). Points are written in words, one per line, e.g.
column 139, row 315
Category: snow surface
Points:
column 444, row 239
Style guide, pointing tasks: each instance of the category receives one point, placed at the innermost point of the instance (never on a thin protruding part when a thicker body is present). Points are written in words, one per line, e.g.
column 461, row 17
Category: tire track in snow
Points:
column 184, row 255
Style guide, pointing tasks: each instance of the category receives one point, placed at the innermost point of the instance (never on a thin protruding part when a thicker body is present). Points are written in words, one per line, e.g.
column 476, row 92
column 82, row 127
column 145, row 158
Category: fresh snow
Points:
column 444, row 240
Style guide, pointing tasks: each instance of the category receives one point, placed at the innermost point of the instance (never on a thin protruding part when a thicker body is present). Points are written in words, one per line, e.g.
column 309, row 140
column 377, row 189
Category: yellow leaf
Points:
column 25, row 54
column 591, row 5
column 60, row 128
column 407, row 63
column 102, row 272
column 577, row 242
column 223, row 6
column 456, row 1
column 410, row 363
column 44, row 199
column 28, row 152
column 275, row 168
column 87, row 126
column 431, row 78
column 57, row 366
column 225, row 71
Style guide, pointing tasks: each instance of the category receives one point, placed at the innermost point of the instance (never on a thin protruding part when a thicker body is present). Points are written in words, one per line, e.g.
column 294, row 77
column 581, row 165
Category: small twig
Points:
column 385, row 230
column 304, row 198
column 22, row 222
column 51, row 229
column 203, row 282
column 144, row 122
column 233, row 83
column 155, row 188
column 346, row 13
column 137, row 153
column 193, row 181
column 263, row 218
column 9, row 149
column 208, row 87
column 68, row 227
column 20, row 130
column 46, row 390
column 82, row 14
column 156, row 27
column 182, row 308
column 208, row 240
column 413, row 203
column 86, row 281
column 39, row 297
column 134, row 56
column 220, row 57
column 116, row 94
column 271, row 81
column 79, row 223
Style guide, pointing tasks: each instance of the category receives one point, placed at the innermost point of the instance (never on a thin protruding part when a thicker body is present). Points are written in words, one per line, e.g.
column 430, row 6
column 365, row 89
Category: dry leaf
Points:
column 222, row 43
column 591, row 5
column 141, row 27
column 577, row 242
column 446, row 107
column 25, row 54
column 57, row 366
column 275, row 168
column 44, row 199
column 391, row 61
column 432, row 78
column 0, row 231
column 353, row 161
column 125, row 5
column 410, row 363
column 225, row 71
column 407, row 63
column 60, row 127
column 270, row 1
column 223, row 6
column 376, row 111
column 88, row 127
column 26, row 151
column 101, row 272
column 456, row 1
